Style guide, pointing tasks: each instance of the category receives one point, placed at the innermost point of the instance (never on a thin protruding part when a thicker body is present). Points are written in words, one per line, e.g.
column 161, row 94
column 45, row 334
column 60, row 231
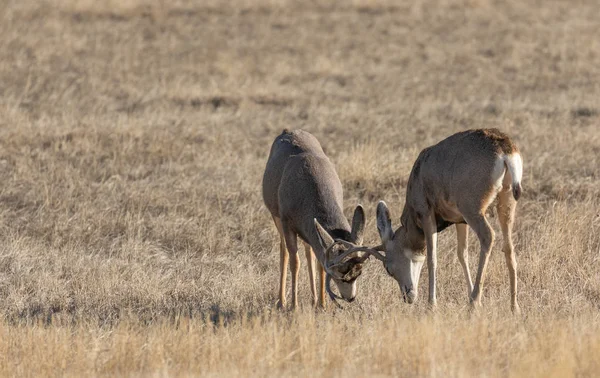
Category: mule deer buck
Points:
column 304, row 195
column 454, row 182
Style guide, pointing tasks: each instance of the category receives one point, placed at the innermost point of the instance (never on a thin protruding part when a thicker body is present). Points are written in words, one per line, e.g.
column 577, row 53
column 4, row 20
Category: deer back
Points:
column 461, row 169
column 285, row 145
column 300, row 184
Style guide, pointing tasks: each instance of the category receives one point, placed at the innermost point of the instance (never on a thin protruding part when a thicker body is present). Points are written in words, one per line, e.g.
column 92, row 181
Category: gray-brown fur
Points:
column 300, row 184
column 447, row 176
column 453, row 182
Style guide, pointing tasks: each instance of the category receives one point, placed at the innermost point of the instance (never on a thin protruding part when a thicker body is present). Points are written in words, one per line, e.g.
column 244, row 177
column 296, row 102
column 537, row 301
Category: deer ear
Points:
column 358, row 225
column 384, row 222
column 324, row 238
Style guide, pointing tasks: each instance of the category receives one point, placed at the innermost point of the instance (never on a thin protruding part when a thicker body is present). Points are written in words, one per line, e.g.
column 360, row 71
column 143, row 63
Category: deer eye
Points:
column 350, row 280
column 352, row 274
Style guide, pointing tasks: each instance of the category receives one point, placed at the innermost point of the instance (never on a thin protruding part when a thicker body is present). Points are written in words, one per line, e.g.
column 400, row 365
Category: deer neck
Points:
column 336, row 233
column 415, row 237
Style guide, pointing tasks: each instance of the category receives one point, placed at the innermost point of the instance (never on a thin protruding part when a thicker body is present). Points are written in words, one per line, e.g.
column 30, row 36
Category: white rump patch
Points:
column 498, row 174
column 515, row 165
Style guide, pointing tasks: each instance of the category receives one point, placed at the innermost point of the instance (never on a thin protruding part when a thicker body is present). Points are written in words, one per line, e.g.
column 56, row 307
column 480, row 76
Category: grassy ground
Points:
column 133, row 136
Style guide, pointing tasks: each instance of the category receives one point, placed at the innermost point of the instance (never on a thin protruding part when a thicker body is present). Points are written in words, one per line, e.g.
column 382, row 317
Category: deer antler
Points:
column 354, row 250
column 334, row 297
column 332, row 263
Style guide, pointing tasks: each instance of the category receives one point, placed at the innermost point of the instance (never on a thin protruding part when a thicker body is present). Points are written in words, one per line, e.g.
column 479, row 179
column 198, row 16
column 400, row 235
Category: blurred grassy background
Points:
column 133, row 136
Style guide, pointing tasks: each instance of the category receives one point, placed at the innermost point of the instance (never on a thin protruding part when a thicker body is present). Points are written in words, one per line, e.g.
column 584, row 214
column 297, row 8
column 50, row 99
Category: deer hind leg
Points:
column 462, row 235
column 322, row 277
column 506, row 214
column 310, row 258
column 484, row 232
column 291, row 241
column 283, row 263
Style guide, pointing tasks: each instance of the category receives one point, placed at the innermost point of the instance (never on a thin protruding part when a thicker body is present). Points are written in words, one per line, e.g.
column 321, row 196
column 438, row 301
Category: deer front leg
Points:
column 310, row 258
column 283, row 263
column 322, row 278
column 291, row 241
column 430, row 230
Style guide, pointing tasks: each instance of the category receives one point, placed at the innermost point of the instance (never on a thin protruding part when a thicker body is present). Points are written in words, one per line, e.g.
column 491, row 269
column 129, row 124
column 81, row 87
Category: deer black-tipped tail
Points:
column 517, row 191
column 514, row 164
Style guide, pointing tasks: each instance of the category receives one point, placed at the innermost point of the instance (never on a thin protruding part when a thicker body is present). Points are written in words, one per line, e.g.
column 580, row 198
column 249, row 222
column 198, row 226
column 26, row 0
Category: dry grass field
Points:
column 134, row 134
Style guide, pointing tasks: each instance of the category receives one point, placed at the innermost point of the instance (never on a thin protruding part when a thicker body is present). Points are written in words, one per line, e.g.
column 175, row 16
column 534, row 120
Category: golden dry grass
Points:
column 133, row 135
